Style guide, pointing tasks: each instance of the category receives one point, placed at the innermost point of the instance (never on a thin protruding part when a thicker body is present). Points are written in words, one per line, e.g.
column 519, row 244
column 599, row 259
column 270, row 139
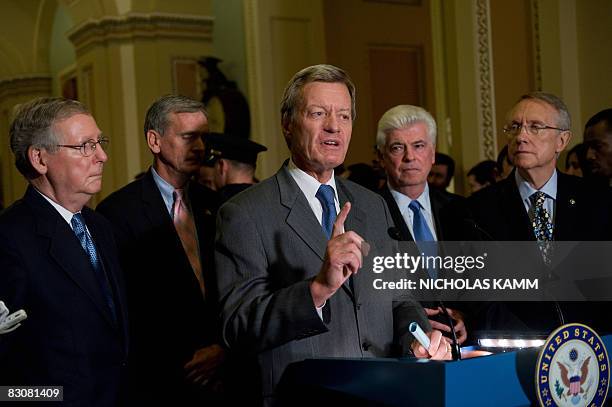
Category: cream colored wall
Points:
column 594, row 27
column 123, row 63
column 282, row 38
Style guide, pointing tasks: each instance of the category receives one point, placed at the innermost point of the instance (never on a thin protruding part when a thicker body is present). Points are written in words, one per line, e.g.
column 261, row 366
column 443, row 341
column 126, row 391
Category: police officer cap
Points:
column 240, row 149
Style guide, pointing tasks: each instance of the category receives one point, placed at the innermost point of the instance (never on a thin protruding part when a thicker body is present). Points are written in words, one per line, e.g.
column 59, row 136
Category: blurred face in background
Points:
column 438, row 176
column 598, row 140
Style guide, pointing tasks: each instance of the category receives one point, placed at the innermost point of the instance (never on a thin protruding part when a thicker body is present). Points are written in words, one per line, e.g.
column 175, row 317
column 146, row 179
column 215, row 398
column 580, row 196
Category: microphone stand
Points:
column 455, row 348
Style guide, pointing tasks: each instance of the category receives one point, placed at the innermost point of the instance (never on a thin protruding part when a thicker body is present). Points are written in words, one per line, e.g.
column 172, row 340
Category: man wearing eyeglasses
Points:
column 58, row 261
column 164, row 228
column 537, row 202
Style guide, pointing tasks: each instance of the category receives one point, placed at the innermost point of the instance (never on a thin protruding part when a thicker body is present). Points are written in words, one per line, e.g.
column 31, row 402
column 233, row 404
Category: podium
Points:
column 503, row 379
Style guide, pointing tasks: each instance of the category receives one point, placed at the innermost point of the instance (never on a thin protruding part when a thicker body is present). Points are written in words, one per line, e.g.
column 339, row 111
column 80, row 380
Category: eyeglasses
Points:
column 88, row 147
column 531, row 129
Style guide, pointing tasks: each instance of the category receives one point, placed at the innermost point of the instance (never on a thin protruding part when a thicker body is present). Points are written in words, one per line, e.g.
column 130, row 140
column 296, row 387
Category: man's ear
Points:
column 153, row 141
column 563, row 140
column 287, row 130
column 38, row 159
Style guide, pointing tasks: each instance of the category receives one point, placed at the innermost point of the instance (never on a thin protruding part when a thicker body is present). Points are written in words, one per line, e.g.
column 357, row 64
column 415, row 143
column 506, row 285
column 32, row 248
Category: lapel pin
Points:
column 572, row 202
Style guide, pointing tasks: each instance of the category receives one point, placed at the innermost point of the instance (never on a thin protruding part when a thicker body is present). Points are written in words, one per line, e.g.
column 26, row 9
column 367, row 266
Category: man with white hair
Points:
column 406, row 143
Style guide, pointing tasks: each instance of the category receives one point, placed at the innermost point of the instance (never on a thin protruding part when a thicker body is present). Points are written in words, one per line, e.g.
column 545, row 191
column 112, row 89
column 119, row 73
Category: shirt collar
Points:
column 166, row 190
column 404, row 200
column 526, row 190
column 307, row 183
column 65, row 213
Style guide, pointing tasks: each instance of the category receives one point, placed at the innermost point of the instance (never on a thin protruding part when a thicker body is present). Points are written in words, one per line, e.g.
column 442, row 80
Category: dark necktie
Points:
column 78, row 225
column 325, row 195
column 422, row 233
column 542, row 225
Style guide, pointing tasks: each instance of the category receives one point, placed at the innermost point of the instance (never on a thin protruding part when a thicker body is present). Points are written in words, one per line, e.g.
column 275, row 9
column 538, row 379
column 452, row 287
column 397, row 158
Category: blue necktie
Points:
column 78, row 225
column 325, row 195
column 422, row 233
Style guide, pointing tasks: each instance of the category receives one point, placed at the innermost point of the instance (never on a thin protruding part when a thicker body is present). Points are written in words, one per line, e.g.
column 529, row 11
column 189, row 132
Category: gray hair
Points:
column 293, row 95
column 157, row 116
column 401, row 117
column 33, row 126
column 564, row 120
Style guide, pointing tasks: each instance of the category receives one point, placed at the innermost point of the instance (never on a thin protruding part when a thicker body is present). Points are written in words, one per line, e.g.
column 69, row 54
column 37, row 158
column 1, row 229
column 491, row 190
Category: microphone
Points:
column 394, row 233
column 478, row 229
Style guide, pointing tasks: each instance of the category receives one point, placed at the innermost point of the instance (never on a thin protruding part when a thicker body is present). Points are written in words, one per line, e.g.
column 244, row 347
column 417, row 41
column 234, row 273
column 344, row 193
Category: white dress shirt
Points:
column 403, row 201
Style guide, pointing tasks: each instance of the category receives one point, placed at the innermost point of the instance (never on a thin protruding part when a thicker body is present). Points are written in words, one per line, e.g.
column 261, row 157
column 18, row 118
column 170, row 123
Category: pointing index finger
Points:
column 340, row 219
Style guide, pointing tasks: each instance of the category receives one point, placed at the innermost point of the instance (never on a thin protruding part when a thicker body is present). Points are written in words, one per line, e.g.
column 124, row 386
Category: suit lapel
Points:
column 396, row 215
column 102, row 245
column 356, row 221
column 300, row 217
column 515, row 215
column 65, row 249
column 159, row 219
column 436, row 207
column 566, row 209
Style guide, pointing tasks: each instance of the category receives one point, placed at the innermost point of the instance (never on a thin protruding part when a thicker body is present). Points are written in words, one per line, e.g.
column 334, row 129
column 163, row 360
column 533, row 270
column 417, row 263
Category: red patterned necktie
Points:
column 186, row 230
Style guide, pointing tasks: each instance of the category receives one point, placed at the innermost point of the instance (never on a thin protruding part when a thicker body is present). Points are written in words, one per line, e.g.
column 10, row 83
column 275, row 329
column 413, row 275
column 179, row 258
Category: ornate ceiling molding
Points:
column 35, row 84
column 140, row 26
column 486, row 84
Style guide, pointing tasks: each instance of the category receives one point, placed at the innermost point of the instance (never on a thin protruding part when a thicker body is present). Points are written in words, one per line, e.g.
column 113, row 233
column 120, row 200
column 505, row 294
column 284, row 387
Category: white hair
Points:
column 401, row 117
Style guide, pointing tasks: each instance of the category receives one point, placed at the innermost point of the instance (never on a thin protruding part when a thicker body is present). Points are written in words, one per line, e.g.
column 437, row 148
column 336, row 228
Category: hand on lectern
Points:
column 457, row 317
column 439, row 347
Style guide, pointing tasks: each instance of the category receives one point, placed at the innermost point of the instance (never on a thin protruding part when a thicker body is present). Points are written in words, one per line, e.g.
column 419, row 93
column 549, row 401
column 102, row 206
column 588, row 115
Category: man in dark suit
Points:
column 164, row 230
column 406, row 145
column 58, row 261
column 287, row 256
column 537, row 202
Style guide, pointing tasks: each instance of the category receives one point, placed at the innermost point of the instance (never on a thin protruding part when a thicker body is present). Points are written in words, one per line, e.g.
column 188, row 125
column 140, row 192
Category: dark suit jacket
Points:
column 269, row 247
column 69, row 338
column 169, row 317
column 583, row 212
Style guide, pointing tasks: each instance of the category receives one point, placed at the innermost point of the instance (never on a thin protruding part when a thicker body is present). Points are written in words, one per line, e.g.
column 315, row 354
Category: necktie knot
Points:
column 178, row 203
column 538, row 198
column 325, row 195
column 415, row 206
column 78, row 224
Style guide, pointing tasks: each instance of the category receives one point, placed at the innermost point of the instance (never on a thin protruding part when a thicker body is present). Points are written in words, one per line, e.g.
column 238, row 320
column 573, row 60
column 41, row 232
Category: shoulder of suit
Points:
column 261, row 193
column 15, row 215
column 445, row 196
column 492, row 192
column 123, row 197
column 359, row 192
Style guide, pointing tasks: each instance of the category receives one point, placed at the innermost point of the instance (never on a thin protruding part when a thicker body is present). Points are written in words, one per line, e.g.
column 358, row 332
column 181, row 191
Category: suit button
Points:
column 365, row 346
column 358, row 306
